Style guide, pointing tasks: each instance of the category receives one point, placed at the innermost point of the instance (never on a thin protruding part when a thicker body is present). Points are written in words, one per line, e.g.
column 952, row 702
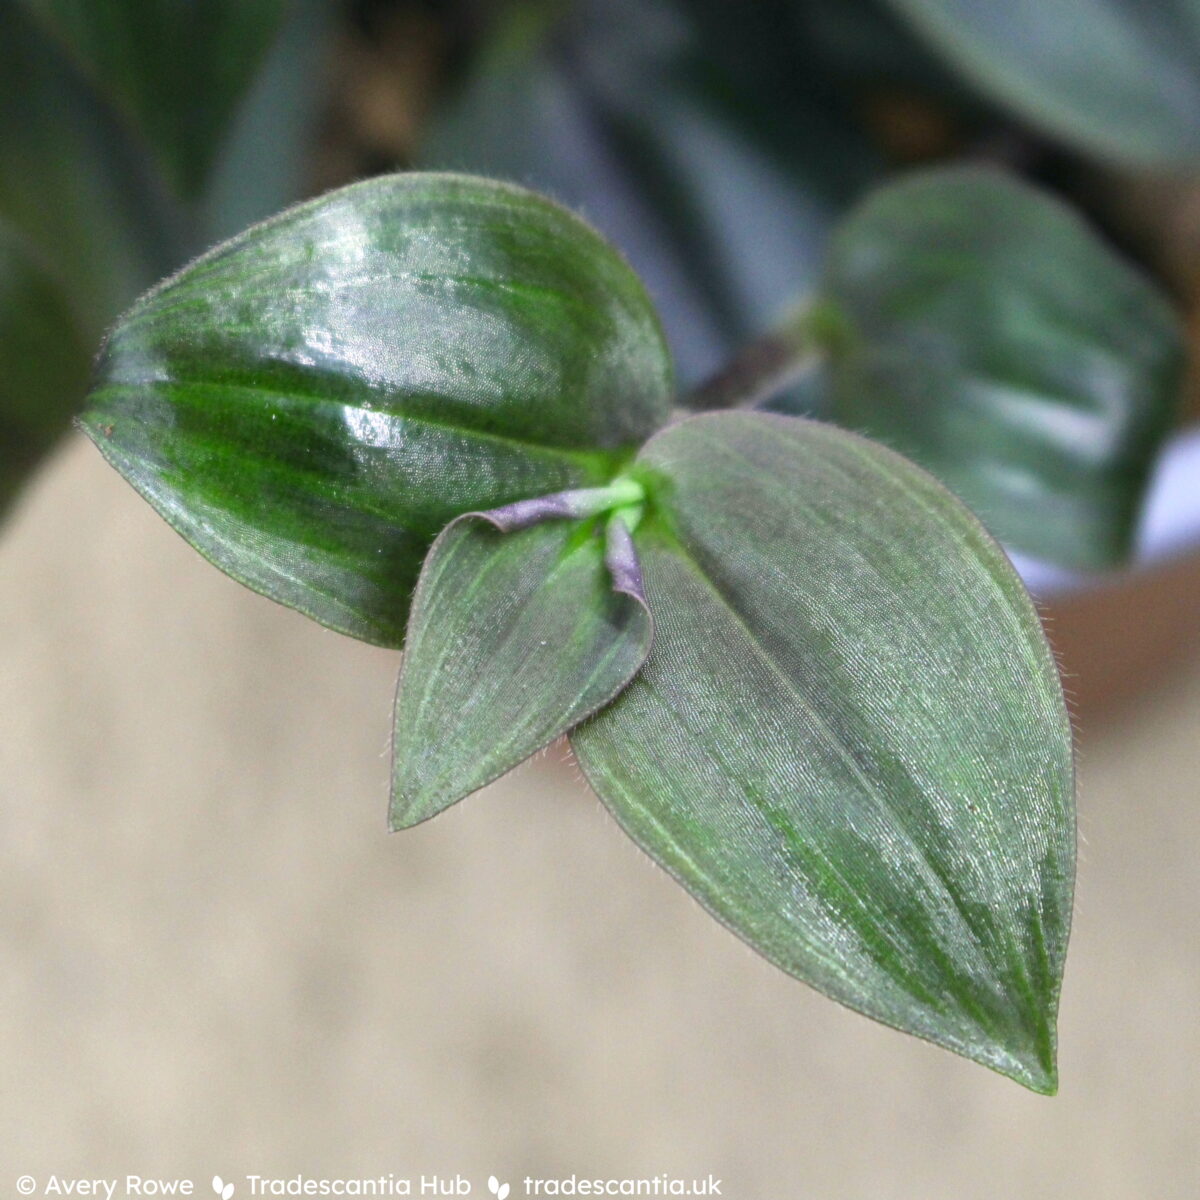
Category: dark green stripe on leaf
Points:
column 312, row 401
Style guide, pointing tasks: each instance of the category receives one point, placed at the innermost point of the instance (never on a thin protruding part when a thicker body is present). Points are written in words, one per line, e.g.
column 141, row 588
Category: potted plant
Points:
column 436, row 411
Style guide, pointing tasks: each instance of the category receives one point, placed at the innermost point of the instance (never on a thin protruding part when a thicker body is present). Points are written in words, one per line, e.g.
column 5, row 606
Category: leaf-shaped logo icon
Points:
column 498, row 1189
column 224, row 1190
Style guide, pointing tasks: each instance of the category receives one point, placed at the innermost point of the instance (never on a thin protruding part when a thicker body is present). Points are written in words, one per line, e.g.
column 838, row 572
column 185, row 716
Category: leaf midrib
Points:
column 594, row 461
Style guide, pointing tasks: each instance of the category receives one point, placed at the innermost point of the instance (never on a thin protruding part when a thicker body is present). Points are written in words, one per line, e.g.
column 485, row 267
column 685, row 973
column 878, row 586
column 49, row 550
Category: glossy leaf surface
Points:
column 849, row 739
column 178, row 70
column 514, row 638
column 310, row 403
column 43, row 360
column 1119, row 78
column 991, row 336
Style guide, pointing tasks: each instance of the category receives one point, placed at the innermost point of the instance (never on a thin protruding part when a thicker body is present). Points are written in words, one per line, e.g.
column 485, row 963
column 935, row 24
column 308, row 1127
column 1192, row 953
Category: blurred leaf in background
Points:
column 989, row 334
column 716, row 169
column 43, row 357
column 716, row 144
column 71, row 179
column 131, row 136
column 1118, row 79
column 176, row 71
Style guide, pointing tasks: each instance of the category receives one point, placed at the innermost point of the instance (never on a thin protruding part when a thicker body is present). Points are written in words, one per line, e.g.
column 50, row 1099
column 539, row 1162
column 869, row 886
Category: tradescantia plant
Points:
column 437, row 412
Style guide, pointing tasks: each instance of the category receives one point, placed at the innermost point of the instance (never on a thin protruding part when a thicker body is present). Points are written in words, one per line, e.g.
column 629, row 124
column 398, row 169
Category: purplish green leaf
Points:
column 849, row 739
column 312, row 402
column 514, row 638
column 991, row 336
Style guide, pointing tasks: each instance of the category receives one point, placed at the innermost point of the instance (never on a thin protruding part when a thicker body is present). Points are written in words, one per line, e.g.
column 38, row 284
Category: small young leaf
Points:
column 849, row 739
column 1118, row 78
column 993, row 338
column 514, row 638
column 310, row 403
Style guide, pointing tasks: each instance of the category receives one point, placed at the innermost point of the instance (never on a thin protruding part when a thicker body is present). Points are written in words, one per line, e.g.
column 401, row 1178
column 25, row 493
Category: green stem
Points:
column 588, row 502
column 766, row 365
column 629, row 515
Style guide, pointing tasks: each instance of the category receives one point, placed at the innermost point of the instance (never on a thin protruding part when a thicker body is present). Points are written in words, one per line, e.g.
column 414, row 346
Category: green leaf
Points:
column 992, row 337
column 312, row 402
column 514, row 638
column 1119, row 78
column 43, row 360
column 849, row 741
column 178, row 70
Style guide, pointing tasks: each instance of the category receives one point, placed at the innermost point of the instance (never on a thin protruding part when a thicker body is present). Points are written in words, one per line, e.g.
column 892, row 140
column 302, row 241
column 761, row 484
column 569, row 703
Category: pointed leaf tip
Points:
column 514, row 638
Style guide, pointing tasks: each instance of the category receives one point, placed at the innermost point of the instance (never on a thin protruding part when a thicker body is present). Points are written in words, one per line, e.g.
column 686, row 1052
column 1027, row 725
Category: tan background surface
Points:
column 213, row 959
